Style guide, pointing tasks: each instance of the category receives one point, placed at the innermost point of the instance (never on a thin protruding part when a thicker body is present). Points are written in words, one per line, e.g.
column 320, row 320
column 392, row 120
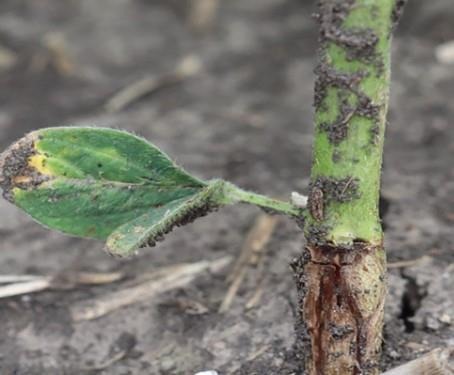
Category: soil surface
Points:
column 247, row 117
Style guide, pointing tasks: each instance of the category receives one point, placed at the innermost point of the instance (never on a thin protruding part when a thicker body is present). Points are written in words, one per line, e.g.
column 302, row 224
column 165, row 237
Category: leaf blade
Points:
column 115, row 155
column 88, row 181
column 94, row 209
column 151, row 227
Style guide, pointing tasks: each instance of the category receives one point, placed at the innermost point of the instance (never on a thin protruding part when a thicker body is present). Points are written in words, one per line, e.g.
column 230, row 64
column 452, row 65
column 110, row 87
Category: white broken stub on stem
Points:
column 299, row 200
column 211, row 372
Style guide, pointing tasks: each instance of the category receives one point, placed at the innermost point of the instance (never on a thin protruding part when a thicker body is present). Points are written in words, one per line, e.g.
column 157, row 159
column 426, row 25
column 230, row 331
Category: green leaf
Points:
column 109, row 184
column 88, row 181
column 149, row 228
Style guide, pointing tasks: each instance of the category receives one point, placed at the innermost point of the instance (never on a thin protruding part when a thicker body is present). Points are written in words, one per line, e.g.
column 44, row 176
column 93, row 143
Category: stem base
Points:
column 341, row 297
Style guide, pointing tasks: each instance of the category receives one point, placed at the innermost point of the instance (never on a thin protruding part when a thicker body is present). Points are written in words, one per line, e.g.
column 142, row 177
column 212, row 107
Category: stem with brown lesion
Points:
column 341, row 273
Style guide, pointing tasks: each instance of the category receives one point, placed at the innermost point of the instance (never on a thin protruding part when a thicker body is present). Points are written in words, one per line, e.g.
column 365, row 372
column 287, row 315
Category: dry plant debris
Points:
column 256, row 240
column 187, row 67
column 25, row 284
column 437, row 362
column 202, row 14
column 165, row 279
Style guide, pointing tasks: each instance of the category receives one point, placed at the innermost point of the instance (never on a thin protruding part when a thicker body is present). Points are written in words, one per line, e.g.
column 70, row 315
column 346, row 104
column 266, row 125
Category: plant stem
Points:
column 341, row 274
column 233, row 194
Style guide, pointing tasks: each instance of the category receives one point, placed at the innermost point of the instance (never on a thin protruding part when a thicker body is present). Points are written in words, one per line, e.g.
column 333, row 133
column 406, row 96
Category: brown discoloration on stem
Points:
column 15, row 168
column 325, row 190
column 341, row 292
column 315, row 203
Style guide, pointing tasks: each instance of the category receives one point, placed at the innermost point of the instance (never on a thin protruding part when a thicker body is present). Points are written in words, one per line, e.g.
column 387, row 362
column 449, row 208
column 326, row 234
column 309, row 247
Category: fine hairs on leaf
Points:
column 111, row 185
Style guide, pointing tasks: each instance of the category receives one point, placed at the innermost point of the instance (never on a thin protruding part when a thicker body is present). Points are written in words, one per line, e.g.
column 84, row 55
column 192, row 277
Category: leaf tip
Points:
column 19, row 166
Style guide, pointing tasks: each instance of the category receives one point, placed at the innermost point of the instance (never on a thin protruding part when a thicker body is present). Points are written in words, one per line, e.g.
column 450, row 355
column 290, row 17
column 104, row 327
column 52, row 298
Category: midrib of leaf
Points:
column 124, row 207
column 126, row 164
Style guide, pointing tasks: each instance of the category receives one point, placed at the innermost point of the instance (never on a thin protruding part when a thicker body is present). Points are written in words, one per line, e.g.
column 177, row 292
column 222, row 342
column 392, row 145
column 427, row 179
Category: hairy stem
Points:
column 233, row 194
column 351, row 100
column 341, row 274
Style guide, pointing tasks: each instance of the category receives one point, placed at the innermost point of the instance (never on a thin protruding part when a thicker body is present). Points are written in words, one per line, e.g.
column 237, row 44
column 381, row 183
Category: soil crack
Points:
column 411, row 301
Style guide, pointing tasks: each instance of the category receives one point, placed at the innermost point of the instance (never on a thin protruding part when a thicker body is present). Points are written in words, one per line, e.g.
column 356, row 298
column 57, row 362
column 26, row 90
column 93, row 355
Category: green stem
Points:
column 233, row 194
column 351, row 102
column 341, row 273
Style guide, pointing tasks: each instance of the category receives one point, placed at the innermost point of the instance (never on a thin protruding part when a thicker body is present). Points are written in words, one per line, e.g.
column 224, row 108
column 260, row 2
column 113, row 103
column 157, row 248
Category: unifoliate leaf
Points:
column 89, row 181
column 150, row 227
column 109, row 184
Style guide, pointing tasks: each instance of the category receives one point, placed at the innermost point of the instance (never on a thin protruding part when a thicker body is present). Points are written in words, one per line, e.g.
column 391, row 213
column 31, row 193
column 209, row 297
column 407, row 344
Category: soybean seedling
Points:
column 114, row 186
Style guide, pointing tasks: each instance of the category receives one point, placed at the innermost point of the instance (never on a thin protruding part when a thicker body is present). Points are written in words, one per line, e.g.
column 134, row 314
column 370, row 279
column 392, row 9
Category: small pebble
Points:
column 445, row 53
column 445, row 318
column 432, row 323
column 394, row 354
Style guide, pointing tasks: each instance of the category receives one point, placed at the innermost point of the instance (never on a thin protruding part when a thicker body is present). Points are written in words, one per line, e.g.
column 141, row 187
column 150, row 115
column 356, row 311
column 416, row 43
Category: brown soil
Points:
column 254, row 96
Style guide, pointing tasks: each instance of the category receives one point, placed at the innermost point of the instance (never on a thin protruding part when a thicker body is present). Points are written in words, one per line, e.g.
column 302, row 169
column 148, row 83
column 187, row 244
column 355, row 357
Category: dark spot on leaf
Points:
column 15, row 170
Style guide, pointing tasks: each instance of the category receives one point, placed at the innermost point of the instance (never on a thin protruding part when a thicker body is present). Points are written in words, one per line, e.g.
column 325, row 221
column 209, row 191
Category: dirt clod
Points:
column 186, row 217
column 329, row 77
column 338, row 130
column 338, row 190
column 359, row 45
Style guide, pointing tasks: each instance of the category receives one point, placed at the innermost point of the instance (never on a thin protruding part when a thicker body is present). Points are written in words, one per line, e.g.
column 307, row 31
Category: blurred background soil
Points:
column 246, row 116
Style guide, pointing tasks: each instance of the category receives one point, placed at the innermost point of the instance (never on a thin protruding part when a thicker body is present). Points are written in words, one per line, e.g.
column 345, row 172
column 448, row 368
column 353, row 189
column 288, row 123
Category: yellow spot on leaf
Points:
column 39, row 162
